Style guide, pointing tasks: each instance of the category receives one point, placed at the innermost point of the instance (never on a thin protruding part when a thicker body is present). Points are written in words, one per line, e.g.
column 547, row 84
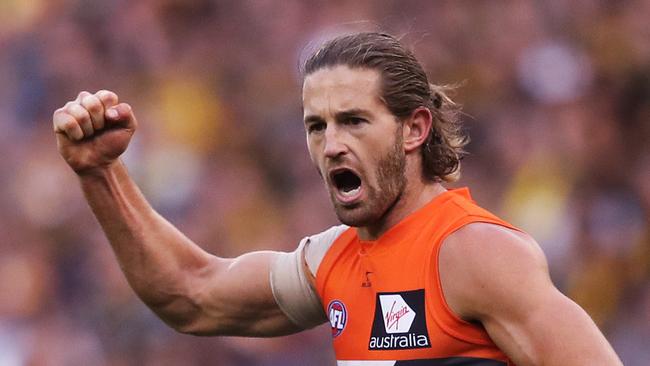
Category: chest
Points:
column 377, row 303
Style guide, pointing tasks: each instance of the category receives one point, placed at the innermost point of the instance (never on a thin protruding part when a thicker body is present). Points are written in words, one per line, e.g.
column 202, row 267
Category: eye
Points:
column 354, row 121
column 316, row 127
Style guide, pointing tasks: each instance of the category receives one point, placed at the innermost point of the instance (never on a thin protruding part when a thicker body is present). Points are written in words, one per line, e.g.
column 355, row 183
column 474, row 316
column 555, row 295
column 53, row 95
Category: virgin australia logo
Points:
column 398, row 315
column 400, row 321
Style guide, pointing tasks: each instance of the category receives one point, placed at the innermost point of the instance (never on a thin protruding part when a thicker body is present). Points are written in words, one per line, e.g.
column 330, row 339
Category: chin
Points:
column 356, row 216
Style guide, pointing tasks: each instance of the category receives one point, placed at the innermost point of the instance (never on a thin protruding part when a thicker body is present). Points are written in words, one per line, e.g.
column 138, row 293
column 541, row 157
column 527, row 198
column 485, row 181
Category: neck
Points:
column 414, row 197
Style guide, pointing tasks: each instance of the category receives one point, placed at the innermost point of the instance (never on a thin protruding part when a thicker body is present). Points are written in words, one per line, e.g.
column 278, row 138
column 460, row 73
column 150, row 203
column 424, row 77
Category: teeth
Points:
column 352, row 192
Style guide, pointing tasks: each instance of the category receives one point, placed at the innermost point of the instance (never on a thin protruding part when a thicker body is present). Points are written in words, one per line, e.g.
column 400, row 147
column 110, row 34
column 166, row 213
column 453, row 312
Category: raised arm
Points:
column 499, row 277
column 191, row 290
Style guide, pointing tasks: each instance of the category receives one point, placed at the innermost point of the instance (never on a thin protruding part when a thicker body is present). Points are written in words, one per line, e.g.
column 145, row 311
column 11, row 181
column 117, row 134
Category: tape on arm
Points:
column 292, row 279
column 293, row 290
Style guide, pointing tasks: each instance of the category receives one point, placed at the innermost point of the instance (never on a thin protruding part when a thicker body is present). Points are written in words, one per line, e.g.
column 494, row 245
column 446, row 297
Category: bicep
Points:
column 547, row 328
column 500, row 278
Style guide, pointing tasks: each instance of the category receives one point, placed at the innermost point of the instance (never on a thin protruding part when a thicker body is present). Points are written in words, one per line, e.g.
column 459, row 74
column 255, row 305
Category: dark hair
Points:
column 404, row 88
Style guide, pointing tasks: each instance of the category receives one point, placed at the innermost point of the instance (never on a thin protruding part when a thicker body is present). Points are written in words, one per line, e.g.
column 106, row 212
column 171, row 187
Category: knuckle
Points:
column 91, row 103
column 69, row 124
column 106, row 95
column 60, row 123
column 57, row 112
column 72, row 106
column 81, row 95
column 79, row 111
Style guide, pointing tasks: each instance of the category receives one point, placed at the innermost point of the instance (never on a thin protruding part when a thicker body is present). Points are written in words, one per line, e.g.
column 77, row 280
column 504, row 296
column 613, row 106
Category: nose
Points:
column 334, row 145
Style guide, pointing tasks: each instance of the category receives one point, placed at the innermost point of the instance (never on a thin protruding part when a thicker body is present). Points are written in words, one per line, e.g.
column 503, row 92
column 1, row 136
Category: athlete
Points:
column 415, row 275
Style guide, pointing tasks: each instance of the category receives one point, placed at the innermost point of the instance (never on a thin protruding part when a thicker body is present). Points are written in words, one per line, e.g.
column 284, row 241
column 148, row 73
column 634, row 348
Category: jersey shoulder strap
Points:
column 316, row 246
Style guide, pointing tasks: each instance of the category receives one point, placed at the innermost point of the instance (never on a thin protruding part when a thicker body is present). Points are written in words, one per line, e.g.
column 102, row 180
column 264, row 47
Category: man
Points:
column 416, row 275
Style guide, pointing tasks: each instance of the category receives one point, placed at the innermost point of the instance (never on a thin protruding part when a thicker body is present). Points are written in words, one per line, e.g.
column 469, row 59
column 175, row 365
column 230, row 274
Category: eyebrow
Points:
column 312, row 118
column 342, row 115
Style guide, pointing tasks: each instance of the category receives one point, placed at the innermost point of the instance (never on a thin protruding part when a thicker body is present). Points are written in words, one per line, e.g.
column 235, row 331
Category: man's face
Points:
column 355, row 142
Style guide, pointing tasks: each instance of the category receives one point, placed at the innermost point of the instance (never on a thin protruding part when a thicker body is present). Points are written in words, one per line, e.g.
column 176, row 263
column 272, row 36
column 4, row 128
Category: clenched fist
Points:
column 93, row 130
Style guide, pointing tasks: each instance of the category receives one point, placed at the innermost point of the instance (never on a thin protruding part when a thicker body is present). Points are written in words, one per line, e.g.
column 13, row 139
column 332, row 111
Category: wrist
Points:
column 100, row 172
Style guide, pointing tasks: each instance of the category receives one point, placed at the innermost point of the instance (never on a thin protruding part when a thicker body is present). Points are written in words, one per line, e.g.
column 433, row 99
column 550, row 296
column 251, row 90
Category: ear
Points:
column 416, row 128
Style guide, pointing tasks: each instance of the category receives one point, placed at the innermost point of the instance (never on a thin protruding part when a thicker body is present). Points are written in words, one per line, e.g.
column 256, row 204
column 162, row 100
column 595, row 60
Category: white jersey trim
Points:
column 318, row 245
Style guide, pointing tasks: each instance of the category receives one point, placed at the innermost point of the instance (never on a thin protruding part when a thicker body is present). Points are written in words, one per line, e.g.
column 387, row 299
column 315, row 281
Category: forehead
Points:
column 341, row 88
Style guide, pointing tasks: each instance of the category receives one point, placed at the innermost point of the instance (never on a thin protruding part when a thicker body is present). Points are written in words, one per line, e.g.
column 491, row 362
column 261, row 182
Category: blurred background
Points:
column 557, row 102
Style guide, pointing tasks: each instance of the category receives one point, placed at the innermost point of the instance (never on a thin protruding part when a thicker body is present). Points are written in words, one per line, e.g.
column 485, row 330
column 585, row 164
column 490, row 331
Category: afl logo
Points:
column 338, row 317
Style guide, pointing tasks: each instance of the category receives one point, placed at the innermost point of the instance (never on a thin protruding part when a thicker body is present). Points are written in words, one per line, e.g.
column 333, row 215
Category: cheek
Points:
column 382, row 163
column 311, row 148
column 374, row 156
column 315, row 160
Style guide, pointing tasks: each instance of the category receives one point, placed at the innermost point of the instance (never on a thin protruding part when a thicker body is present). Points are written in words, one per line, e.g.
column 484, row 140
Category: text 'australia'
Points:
column 399, row 342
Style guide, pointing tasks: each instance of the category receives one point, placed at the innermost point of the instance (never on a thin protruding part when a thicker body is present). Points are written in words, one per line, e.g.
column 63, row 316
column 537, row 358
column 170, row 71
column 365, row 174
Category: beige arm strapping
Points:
column 292, row 279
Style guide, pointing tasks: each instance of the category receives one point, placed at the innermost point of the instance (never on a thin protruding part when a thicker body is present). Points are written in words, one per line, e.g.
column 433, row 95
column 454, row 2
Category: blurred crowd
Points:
column 556, row 97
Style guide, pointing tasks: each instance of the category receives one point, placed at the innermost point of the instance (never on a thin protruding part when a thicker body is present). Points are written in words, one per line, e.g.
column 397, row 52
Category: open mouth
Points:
column 347, row 183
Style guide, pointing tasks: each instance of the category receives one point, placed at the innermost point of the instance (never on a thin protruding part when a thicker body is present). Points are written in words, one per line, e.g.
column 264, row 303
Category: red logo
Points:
column 338, row 316
column 393, row 317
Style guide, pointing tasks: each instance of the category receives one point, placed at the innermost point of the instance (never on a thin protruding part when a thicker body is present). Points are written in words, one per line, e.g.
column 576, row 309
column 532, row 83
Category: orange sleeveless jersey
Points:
column 384, row 299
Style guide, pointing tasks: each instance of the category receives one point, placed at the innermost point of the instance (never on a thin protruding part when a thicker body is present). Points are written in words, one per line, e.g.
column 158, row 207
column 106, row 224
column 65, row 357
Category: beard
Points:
column 381, row 196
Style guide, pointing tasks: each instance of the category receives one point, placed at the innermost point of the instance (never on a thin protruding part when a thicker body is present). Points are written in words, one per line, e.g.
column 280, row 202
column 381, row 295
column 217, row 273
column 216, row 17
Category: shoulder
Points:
column 484, row 265
column 475, row 240
column 328, row 235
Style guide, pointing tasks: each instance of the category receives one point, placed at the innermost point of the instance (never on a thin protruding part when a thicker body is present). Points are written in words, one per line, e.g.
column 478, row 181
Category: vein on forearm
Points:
column 149, row 249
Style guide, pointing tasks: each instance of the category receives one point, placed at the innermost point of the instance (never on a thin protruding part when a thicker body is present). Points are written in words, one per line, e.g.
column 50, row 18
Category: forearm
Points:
column 155, row 257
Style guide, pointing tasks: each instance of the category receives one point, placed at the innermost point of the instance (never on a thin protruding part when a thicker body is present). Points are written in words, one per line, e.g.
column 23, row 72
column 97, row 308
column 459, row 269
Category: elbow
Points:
column 190, row 328
column 186, row 315
column 196, row 329
column 181, row 314
column 187, row 305
column 197, row 326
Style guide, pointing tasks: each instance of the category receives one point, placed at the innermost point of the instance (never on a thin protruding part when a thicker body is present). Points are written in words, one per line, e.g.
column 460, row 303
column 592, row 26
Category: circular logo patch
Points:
column 338, row 317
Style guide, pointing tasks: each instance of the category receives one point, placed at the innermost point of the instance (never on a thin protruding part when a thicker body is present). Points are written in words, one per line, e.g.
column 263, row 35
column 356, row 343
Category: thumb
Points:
column 121, row 114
